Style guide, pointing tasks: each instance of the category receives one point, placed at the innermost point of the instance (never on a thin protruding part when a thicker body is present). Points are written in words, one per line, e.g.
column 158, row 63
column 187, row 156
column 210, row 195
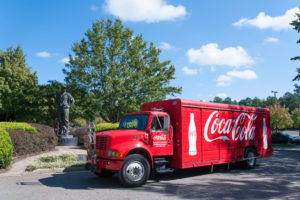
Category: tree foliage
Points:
column 18, row 86
column 296, row 118
column 280, row 117
column 296, row 25
column 290, row 100
column 114, row 71
column 45, row 103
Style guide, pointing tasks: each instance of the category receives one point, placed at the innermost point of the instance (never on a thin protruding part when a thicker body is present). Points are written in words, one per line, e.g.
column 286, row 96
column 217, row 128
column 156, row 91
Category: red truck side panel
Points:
column 206, row 133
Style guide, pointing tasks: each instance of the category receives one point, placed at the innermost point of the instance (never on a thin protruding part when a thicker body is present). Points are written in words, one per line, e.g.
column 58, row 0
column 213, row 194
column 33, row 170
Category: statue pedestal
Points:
column 67, row 140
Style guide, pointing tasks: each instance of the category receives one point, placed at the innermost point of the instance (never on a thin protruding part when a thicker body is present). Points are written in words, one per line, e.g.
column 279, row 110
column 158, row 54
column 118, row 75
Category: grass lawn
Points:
column 59, row 161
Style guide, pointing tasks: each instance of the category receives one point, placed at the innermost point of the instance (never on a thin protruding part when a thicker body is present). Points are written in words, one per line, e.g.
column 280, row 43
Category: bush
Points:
column 79, row 122
column 279, row 138
column 106, row 126
column 26, row 143
column 6, row 149
column 43, row 128
column 18, row 126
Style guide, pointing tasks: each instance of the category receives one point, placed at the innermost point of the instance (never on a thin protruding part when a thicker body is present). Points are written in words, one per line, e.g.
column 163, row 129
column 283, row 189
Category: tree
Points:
column 296, row 118
column 280, row 117
column 296, row 25
column 291, row 101
column 297, row 89
column 217, row 100
column 246, row 102
column 18, row 86
column 45, row 103
column 113, row 72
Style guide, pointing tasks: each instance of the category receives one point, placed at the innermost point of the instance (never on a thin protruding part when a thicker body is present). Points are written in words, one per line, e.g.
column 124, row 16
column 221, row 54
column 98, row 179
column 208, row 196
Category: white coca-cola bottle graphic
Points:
column 265, row 135
column 192, row 136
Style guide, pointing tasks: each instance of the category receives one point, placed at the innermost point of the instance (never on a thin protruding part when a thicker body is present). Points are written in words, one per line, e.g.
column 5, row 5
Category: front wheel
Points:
column 135, row 171
column 250, row 158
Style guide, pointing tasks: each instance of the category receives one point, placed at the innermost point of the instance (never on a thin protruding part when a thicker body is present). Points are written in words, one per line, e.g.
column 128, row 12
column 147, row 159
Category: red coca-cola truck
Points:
column 179, row 134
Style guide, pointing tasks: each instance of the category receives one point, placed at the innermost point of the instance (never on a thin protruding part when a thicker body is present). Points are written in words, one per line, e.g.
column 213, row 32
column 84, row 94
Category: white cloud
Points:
column 43, row 54
column 246, row 74
column 226, row 79
column 271, row 40
column 210, row 54
column 166, row 46
column 213, row 69
column 189, row 71
column 64, row 60
column 263, row 21
column 144, row 10
column 94, row 8
column 222, row 95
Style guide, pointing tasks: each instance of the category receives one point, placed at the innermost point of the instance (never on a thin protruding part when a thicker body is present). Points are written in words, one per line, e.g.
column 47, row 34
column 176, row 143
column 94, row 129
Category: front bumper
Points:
column 101, row 163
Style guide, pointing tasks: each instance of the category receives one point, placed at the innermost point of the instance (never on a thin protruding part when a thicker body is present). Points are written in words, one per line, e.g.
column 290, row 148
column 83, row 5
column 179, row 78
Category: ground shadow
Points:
column 273, row 178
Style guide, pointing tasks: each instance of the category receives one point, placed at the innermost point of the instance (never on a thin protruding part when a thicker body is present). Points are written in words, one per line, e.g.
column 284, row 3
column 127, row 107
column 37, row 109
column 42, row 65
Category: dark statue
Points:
column 64, row 101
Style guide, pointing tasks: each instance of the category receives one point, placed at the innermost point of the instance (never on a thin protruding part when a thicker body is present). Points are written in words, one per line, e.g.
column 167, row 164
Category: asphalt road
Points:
column 274, row 178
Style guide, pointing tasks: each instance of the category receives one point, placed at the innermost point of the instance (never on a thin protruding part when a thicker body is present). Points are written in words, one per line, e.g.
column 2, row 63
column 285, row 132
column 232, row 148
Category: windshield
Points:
column 134, row 122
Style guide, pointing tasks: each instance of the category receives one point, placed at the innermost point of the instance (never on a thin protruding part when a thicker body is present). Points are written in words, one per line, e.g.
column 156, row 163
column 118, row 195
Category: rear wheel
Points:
column 250, row 158
column 135, row 170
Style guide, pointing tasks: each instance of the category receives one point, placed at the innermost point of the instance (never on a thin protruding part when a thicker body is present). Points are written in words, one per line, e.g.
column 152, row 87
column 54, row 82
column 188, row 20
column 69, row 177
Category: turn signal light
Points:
column 146, row 137
column 115, row 154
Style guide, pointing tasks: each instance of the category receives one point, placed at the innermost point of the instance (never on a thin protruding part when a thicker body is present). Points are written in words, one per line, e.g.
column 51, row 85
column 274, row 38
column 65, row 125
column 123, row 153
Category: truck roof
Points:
column 204, row 104
column 146, row 113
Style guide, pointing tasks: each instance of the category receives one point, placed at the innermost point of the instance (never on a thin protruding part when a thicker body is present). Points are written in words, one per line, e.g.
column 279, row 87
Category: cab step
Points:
column 164, row 170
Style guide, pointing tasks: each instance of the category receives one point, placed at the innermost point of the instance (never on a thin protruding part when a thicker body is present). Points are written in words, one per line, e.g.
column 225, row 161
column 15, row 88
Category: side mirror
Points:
column 166, row 124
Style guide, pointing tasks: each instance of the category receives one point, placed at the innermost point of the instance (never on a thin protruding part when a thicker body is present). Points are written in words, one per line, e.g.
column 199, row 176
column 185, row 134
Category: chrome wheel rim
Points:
column 251, row 158
column 135, row 171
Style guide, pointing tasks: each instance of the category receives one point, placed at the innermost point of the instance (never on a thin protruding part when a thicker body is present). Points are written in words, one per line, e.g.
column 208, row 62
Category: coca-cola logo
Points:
column 159, row 137
column 240, row 128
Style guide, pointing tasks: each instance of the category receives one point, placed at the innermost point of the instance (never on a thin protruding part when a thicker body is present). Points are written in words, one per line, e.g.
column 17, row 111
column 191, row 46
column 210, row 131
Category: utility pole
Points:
column 275, row 92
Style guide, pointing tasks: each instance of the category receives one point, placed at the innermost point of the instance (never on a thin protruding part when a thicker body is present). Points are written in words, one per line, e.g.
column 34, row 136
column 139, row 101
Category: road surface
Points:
column 274, row 178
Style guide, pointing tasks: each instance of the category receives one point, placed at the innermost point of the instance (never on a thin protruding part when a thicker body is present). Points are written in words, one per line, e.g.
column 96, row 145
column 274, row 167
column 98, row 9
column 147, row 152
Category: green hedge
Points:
column 106, row 126
column 278, row 138
column 18, row 126
column 6, row 149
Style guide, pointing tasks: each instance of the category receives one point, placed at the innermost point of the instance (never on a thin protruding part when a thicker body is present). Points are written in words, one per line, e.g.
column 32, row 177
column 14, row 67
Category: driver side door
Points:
column 161, row 142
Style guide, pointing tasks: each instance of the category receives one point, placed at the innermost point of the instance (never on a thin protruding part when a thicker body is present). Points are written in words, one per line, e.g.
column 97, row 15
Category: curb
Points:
column 57, row 170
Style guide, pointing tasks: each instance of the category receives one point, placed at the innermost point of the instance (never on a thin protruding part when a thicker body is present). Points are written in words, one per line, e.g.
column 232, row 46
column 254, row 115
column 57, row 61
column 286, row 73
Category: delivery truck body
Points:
column 179, row 134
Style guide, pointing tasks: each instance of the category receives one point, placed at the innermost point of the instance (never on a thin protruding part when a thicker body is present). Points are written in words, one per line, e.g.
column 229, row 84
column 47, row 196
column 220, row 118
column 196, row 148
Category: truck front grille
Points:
column 101, row 142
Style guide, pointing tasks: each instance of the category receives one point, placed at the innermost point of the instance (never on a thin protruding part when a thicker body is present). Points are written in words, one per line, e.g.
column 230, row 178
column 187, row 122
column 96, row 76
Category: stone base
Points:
column 67, row 141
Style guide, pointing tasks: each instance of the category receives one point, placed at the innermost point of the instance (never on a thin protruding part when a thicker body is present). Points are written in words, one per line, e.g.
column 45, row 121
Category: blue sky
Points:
column 219, row 48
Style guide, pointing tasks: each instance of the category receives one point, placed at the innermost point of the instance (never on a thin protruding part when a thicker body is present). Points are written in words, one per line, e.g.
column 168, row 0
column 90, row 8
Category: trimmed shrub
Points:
column 278, row 138
column 26, row 143
column 18, row 126
column 43, row 128
column 6, row 149
column 80, row 132
column 106, row 126
column 79, row 122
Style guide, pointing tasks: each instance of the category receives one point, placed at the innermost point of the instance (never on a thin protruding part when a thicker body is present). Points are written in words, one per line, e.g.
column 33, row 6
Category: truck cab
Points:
column 142, row 142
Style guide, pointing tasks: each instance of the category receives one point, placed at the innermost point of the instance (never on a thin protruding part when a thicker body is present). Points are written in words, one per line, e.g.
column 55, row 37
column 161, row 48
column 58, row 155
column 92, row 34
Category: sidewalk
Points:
column 18, row 168
column 295, row 148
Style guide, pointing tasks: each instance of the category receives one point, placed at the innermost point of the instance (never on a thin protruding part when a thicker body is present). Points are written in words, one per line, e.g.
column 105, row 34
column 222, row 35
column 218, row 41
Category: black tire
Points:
column 104, row 173
column 250, row 158
column 135, row 171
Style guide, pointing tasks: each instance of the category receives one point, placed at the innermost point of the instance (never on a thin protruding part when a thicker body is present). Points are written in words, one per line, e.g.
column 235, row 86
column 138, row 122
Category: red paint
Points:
column 219, row 134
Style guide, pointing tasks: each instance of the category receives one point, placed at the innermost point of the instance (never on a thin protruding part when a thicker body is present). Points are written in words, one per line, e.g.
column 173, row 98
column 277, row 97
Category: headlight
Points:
column 115, row 154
